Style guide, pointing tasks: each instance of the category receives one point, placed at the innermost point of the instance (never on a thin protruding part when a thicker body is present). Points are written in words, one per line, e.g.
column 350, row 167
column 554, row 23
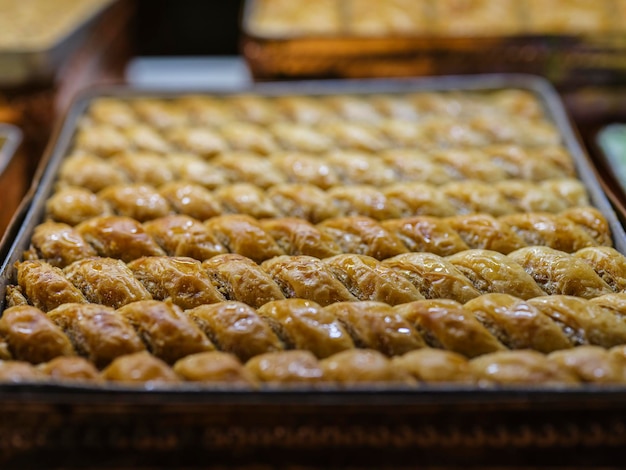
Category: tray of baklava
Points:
column 374, row 242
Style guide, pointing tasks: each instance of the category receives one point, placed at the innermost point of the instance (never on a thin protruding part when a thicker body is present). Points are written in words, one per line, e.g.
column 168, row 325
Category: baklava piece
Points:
column 363, row 236
column 470, row 164
column 106, row 281
column 145, row 167
column 138, row 201
column 90, row 172
column 435, row 366
column 299, row 237
column 304, row 201
column 241, row 279
column 592, row 221
column 434, row 277
column 526, row 196
column 244, row 235
column 358, row 168
column 470, row 18
column 569, row 17
column 484, row 232
column 376, row 325
column 470, row 197
column 306, row 277
column 180, row 235
column 189, row 168
column 249, row 137
column 362, row 366
column 412, row 165
column 582, row 321
column 286, row 367
column 101, row 139
column 303, row 324
column 591, row 364
column 27, row 334
column 205, row 110
column 168, row 333
column 112, row 111
column 70, row 368
column 236, row 328
column 159, row 113
column 249, row 168
column 197, row 140
column 306, row 169
column 214, row 367
column 444, row 324
column 557, row 272
column 395, row 17
column 180, row 279
column 356, row 136
column 144, row 138
column 248, row 199
column 97, row 332
column 616, row 303
column 19, row 372
column 492, row 272
column 571, row 190
column 58, row 244
column 353, row 108
column 517, row 324
column 608, row 263
column 192, row 200
column 119, row 237
column 301, row 138
column 430, row 234
column 253, row 109
column 412, row 199
column 141, row 368
column 521, row 368
column 364, row 200
column 528, row 163
column 73, row 205
column 45, row 286
column 303, row 109
column 368, row 279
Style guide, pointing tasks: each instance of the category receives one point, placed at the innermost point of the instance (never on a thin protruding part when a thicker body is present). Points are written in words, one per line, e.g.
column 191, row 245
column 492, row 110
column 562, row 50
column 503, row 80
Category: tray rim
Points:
column 60, row 143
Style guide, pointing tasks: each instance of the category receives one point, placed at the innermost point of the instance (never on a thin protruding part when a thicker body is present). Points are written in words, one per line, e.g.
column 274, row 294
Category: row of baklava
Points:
column 430, row 134
column 489, row 324
column 525, row 273
column 179, row 235
column 215, row 111
column 142, row 202
column 340, row 168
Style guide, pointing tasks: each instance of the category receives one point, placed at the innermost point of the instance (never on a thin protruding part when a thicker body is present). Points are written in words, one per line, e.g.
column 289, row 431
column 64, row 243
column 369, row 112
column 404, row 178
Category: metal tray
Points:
column 21, row 66
column 329, row 426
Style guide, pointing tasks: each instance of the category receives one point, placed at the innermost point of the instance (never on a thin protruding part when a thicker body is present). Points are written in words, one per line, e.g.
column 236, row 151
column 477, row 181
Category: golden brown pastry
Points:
column 70, row 368
column 364, row 236
column 557, row 272
column 106, row 281
column 303, row 109
column 492, row 272
column 306, row 169
column 252, row 108
column 19, row 372
column 205, row 110
column 368, row 279
column 239, row 278
column 435, row 366
column 249, row 168
column 306, row 277
column 191, row 199
column 303, row 324
column 362, row 366
column 146, row 139
column 245, row 198
column 360, row 168
column 433, row 276
column 159, row 113
column 394, row 17
column 97, row 332
column 197, row 140
column 249, row 137
column 73, row 205
column 45, row 286
column 364, row 200
column 590, row 219
column 138, row 201
column 27, row 334
column 304, row 201
column 411, row 199
column 168, row 333
column 570, row 17
column 521, row 368
column 141, row 368
column 469, row 18
column 58, row 244
column 375, row 325
column 591, row 364
column 484, row 232
column 236, row 328
column 608, row 263
column 112, row 111
column 299, row 237
column 180, row 235
column 244, row 235
column 582, row 321
column 14, row 296
column 531, row 164
column 177, row 278
column 119, row 237
column 614, row 302
column 213, row 366
column 302, row 138
column 518, row 102
column 286, row 367
column 437, row 132
column 144, row 167
column 444, row 324
column 90, row 172
column 394, row 106
column 469, row 197
column 550, row 230
column 353, row 108
column 424, row 233
column 530, row 197
column 412, row 165
column 571, row 190
column 189, row 168
column 469, row 164
column 517, row 324
column 101, row 139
